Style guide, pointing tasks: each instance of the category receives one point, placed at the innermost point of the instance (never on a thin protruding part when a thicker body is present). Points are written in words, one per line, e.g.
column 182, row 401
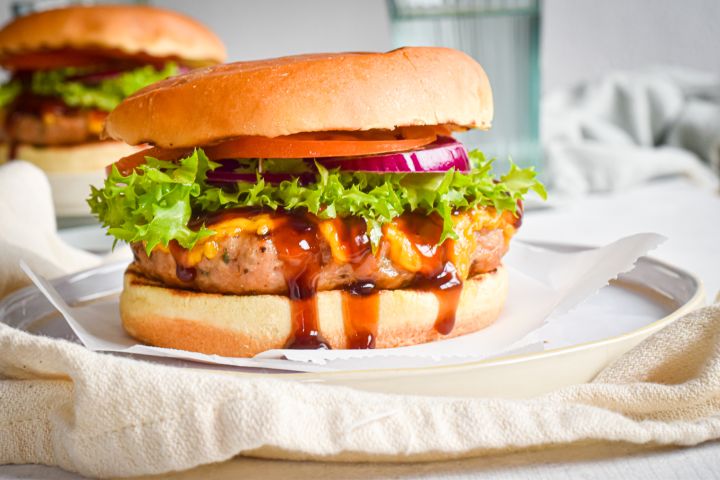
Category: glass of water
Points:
column 503, row 35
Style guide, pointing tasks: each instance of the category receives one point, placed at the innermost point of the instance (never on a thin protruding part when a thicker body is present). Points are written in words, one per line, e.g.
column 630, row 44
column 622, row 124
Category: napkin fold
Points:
column 28, row 230
column 106, row 416
column 627, row 128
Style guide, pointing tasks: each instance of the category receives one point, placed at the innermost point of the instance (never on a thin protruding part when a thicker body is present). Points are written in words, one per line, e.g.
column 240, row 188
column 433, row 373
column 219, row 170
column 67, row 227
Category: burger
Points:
column 313, row 201
column 69, row 67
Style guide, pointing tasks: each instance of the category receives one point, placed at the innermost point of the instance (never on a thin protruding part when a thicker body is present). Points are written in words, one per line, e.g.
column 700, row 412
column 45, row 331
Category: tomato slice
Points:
column 127, row 164
column 52, row 59
column 90, row 57
column 302, row 145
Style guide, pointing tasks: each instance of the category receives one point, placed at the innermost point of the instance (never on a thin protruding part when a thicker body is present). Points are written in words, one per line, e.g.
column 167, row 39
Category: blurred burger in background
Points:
column 69, row 67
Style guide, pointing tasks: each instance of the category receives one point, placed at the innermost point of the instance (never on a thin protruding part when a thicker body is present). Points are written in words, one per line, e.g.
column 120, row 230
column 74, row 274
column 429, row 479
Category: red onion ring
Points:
column 440, row 156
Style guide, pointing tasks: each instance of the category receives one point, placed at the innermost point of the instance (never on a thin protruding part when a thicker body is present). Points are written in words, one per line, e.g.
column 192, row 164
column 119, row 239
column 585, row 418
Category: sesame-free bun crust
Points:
column 308, row 93
column 128, row 29
column 243, row 326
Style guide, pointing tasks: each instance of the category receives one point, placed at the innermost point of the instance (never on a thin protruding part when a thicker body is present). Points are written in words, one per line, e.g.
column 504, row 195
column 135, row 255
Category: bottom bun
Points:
column 86, row 157
column 71, row 169
column 245, row 325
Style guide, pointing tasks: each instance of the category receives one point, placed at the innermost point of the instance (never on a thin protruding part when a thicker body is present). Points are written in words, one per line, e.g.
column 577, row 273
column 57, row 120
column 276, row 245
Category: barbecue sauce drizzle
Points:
column 360, row 300
column 297, row 238
column 437, row 274
column 298, row 245
column 182, row 271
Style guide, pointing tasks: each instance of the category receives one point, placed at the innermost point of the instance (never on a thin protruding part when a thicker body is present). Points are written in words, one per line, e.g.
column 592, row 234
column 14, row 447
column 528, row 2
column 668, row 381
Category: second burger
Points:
column 69, row 67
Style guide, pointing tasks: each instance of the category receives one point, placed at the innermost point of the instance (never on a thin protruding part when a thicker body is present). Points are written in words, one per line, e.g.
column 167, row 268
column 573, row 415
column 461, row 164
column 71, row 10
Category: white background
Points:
column 581, row 38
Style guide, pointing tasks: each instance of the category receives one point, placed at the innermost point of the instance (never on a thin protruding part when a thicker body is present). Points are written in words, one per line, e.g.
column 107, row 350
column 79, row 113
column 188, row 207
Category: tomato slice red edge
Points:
column 294, row 146
column 288, row 147
column 127, row 164
column 83, row 57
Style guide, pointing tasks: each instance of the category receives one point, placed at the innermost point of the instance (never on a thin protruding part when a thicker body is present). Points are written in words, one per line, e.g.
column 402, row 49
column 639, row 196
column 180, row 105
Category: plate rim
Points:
column 695, row 301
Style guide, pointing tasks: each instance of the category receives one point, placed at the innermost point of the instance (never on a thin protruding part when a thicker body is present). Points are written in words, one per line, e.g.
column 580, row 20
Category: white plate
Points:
column 92, row 238
column 604, row 327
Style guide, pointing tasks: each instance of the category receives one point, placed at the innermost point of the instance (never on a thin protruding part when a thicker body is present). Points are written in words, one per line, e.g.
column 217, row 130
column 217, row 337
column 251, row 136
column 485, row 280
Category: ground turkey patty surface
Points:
column 248, row 263
column 46, row 121
column 66, row 129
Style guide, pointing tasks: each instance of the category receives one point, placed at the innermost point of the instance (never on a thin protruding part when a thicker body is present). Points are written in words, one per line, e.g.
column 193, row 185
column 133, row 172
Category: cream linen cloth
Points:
column 108, row 416
column 105, row 416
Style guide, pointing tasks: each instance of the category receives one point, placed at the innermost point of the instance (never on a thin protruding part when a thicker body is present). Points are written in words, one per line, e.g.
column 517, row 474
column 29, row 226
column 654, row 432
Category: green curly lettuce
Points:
column 155, row 203
column 9, row 91
column 105, row 94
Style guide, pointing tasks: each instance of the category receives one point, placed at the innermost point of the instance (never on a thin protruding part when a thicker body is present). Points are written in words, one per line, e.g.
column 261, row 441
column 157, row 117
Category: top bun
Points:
column 127, row 29
column 308, row 93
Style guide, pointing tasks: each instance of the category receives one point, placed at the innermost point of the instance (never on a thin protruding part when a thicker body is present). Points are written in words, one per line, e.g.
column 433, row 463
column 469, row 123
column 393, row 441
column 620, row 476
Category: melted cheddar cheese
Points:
column 208, row 247
column 401, row 249
column 96, row 121
column 49, row 118
column 260, row 224
column 331, row 234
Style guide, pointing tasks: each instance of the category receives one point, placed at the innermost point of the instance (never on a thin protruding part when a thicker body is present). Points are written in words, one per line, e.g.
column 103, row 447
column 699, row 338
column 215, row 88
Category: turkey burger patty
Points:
column 247, row 261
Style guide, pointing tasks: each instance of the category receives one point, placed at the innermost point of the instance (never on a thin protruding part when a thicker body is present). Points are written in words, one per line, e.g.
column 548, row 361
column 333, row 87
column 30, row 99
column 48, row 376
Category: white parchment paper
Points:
column 544, row 284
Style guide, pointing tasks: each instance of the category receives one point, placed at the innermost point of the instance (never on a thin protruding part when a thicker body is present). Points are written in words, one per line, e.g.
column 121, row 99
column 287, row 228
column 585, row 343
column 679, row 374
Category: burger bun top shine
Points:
column 412, row 86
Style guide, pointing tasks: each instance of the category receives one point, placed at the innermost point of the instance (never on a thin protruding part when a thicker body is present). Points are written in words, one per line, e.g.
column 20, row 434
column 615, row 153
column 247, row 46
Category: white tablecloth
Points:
column 688, row 215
